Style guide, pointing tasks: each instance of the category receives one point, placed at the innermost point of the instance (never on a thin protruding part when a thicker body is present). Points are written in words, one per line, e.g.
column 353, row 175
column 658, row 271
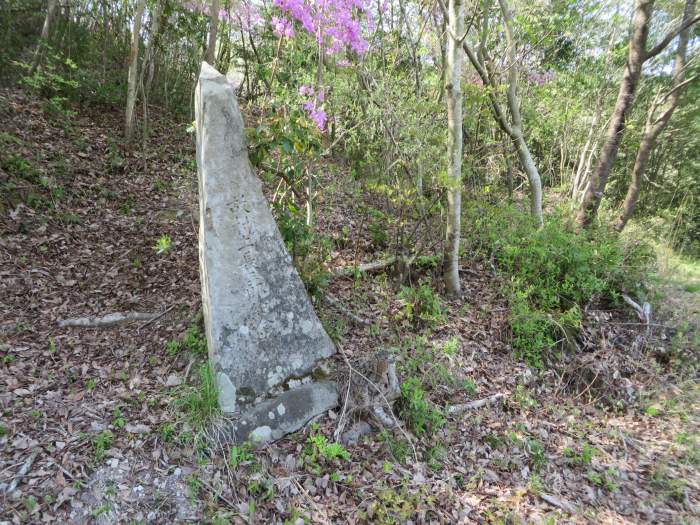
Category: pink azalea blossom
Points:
column 282, row 27
column 335, row 24
column 319, row 117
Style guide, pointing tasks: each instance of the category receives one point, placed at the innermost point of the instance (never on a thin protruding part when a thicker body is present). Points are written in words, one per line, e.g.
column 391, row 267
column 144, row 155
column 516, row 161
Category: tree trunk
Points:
column 654, row 127
column 514, row 128
column 509, row 169
column 526, row 160
column 148, row 69
column 133, row 70
column 453, row 92
column 210, row 55
column 44, row 38
column 628, row 87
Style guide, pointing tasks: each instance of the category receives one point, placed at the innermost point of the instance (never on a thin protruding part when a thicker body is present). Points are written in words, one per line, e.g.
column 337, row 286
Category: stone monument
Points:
column 264, row 338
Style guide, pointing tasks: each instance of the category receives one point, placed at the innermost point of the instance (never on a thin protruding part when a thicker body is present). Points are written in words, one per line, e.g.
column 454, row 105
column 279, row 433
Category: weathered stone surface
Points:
column 261, row 328
column 276, row 417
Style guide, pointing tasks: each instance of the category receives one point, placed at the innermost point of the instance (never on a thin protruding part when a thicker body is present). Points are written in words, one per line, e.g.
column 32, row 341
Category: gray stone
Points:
column 262, row 331
column 276, row 417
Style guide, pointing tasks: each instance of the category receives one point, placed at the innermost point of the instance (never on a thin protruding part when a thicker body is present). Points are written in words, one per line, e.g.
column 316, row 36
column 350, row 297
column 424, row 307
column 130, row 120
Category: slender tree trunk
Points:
column 133, row 70
column 636, row 57
column 625, row 97
column 526, row 160
column 655, row 126
column 453, row 92
column 628, row 86
column 210, row 55
column 509, row 169
column 577, row 181
column 150, row 57
column 44, row 38
column 513, row 129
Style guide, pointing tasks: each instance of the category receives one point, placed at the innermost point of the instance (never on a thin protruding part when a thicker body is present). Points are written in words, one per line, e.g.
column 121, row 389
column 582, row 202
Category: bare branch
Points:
column 658, row 48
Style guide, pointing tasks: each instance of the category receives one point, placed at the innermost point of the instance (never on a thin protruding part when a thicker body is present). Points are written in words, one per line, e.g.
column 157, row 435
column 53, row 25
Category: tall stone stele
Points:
column 265, row 340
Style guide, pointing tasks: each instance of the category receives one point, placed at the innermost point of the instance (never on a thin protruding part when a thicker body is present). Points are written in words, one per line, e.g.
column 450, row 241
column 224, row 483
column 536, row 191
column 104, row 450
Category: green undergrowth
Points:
column 551, row 273
column 200, row 403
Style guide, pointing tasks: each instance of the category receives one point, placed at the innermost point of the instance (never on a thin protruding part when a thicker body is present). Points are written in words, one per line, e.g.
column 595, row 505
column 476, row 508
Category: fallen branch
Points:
column 469, row 271
column 153, row 319
column 643, row 311
column 335, row 303
column 109, row 319
column 365, row 268
column 22, row 472
column 560, row 504
column 472, row 405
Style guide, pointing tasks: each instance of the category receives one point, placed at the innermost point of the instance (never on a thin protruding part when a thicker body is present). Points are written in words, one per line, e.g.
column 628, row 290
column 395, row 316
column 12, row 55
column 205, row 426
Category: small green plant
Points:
column 118, row 419
column 193, row 486
column 398, row 449
column 416, row 410
column 536, row 451
column 604, row 480
column 90, row 384
column 435, row 456
column 114, row 157
column 674, row 488
column 310, row 251
column 295, row 515
column 163, row 245
column 523, row 398
column 469, row 387
column 160, row 185
column 167, row 432
column 172, row 348
column 69, row 218
column 535, row 485
column 30, row 504
column 427, row 361
column 422, row 306
column 452, row 346
column 585, row 457
column 101, row 443
column 263, row 488
column 195, row 341
column 652, row 411
column 401, row 504
column 201, row 404
column 101, row 510
column 318, row 446
column 241, row 455
column 128, row 206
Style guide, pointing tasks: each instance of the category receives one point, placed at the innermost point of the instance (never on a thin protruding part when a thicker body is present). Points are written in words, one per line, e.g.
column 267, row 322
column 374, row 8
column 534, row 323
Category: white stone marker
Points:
column 262, row 331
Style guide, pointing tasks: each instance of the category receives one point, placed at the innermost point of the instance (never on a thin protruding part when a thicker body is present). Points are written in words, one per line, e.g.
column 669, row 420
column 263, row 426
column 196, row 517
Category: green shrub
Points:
column 552, row 273
column 431, row 363
column 309, row 250
column 416, row 410
column 422, row 306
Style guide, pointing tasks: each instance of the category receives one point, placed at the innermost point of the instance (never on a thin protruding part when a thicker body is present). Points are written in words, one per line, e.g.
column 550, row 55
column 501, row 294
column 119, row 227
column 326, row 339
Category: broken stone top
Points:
column 261, row 327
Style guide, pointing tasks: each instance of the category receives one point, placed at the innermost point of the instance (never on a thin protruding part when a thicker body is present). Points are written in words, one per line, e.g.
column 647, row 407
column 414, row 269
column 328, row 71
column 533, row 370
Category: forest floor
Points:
column 94, row 426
